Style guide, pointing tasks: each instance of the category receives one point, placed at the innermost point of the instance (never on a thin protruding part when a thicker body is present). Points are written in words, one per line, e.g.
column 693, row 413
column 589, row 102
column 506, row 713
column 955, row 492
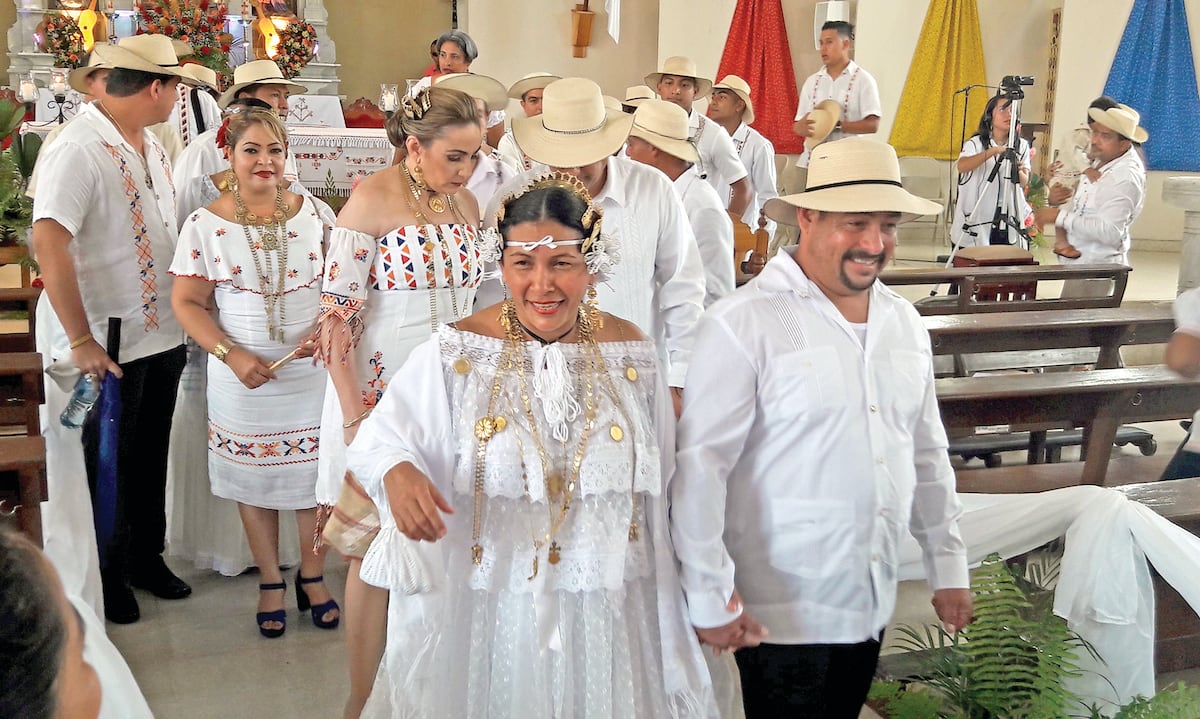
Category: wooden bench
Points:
column 1098, row 401
column 21, row 390
column 23, row 301
column 1004, row 339
column 23, row 483
column 970, row 279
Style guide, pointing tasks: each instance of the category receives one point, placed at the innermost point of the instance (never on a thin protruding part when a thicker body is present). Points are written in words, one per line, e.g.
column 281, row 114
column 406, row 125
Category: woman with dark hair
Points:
column 402, row 260
column 978, row 190
column 43, row 674
column 256, row 254
column 521, row 476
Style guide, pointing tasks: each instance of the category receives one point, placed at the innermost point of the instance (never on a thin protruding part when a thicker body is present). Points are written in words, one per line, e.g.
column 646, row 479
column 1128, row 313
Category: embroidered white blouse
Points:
column 123, row 230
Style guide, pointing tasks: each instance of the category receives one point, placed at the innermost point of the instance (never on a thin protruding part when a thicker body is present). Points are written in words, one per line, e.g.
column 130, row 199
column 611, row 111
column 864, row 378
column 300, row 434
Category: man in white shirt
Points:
column 528, row 90
column 731, row 108
column 659, row 138
column 259, row 79
column 104, row 238
column 810, row 442
column 842, row 80
column 678, row 82
column 659, row 284
column 1109, row 198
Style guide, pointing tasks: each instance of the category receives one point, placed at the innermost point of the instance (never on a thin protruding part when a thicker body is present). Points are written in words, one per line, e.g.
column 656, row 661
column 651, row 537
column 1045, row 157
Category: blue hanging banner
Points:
column 1153, row 73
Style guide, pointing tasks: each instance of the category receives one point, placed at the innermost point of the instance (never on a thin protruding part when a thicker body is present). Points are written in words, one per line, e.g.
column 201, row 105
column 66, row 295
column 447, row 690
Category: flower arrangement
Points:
column 297, row 45
column 60, row 36
column 200, row 23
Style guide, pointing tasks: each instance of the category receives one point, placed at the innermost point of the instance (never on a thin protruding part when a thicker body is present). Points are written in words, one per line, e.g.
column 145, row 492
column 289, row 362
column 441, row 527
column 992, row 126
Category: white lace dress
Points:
column 601, row 634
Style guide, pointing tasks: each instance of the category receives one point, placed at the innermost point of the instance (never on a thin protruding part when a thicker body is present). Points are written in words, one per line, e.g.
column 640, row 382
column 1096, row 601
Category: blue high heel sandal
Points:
column 278, row 615
column 318, row 610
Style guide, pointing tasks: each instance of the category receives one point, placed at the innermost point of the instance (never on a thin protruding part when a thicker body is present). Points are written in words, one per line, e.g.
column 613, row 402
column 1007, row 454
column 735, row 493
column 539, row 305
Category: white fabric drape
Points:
column 613, row 8
column 1104, row 589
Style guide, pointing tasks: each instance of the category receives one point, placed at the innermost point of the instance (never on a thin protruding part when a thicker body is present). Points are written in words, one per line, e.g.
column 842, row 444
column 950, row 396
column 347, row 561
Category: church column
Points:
column 1185, row 192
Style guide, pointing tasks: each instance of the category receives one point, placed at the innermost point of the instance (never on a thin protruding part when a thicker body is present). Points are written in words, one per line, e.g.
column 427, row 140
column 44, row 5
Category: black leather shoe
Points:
column 120, row 606
column 155, row 577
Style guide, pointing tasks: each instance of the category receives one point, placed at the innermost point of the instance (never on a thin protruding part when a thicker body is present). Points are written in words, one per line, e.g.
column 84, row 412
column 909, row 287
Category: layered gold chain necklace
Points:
column 429, row 247
column 559, row 488
column 272, row 238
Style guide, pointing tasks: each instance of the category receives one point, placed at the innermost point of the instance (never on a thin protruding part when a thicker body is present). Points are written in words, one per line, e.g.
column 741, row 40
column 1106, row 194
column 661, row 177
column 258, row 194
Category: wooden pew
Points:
column 970, row 279
column 22, row 300
column 1016, row 333
column 1098, row 401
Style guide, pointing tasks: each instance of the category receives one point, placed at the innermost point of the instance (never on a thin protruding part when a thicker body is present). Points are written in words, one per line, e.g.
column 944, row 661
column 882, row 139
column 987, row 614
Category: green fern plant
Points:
column 1010, row 662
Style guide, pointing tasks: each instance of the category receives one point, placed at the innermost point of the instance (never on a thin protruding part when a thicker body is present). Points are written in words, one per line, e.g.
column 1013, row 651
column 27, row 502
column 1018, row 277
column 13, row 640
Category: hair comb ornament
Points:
column 415, row 106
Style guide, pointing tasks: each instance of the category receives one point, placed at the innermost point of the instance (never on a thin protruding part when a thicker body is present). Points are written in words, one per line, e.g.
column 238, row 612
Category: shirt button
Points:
column 874, row 408
column 879, row 460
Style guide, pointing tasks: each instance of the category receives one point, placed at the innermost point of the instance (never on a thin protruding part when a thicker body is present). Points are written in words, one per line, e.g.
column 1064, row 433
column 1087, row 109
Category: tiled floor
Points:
column 202, row 657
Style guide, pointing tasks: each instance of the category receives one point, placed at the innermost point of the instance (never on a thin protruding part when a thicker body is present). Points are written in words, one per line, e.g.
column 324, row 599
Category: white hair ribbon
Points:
column 546, row 241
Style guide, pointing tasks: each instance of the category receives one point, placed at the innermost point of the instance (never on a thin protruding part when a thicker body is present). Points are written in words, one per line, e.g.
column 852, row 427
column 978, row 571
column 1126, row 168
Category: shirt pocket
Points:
column 810, row 538
column 910, row 370
column 803, row 382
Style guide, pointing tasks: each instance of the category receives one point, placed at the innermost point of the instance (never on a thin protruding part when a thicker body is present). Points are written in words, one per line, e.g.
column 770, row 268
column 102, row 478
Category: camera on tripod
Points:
column 1010, row 86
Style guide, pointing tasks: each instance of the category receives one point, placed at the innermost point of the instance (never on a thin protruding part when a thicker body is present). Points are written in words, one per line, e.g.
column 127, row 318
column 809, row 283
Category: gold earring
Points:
column 419, row 177
column 229, row 182
column 593, row 310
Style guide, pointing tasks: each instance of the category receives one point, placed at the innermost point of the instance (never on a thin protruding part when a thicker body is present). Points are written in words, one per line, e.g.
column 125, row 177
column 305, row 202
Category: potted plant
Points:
column 16, row 167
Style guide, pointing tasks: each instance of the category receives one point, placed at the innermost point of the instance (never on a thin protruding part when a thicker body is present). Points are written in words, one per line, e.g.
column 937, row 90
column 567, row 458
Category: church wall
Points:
column 383, row 41
column 516, row 38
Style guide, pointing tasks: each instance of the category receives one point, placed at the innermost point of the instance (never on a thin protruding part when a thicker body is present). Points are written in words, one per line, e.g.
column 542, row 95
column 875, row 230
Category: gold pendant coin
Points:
column 485, row 427
column 500, row 423
column 616, row 433
column 554, row 484
column 462, row 365
column 631, row 373
column 437, row 204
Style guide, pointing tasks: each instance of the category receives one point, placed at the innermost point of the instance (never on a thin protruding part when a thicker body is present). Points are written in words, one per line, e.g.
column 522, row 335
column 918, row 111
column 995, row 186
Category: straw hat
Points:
column 825, row 117
column 532, row 81
column 78, row 78
column 741, row 88
column 181, row 48
column 201, row 75
column 665, row 126
column 637, row 94
column 480, row 87
column 1122, row 120
column 144, row 53
column 684, row 67
column 612, row 103
column 852, row 175
column 574, row 128
column 257, row 72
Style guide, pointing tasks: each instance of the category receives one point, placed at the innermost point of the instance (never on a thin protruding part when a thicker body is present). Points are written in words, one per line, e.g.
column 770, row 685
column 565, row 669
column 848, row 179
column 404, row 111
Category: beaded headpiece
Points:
column 599, row 248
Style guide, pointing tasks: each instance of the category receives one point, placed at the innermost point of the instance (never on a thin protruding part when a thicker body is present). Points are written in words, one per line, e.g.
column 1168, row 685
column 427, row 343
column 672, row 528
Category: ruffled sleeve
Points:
column 194, row 257
column 411, row 426
column 347, row 274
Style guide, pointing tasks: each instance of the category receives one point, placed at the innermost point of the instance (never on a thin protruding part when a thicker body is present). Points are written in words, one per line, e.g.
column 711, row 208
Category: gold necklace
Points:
column 559, row 490
column 436, row 203
column 428, row 247
column 268, row 241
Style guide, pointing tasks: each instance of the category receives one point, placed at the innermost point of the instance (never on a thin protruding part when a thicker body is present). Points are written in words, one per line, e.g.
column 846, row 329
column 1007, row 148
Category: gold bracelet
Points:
column 359, row 418
column 81, row 341
column 222, row 349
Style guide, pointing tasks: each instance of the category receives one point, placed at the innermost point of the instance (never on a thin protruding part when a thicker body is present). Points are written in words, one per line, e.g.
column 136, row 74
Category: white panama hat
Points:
column 852, row 175
column 257, row 72
column 665, row 126
column 574, row 129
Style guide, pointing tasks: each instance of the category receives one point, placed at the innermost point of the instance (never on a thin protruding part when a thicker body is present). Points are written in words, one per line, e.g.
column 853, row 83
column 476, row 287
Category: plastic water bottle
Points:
column 83, row 398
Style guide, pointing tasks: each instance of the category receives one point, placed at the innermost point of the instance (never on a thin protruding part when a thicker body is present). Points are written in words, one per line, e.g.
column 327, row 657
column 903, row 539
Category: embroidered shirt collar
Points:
column 850, row 67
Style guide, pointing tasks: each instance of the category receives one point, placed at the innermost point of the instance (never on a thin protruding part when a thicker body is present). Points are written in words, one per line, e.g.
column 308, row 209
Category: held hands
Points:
column 1058, row 194
column 251, row 370
column 744, row 631
column 954, row 607
column 415, row 503
column 804, row 127
column 91, row 358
